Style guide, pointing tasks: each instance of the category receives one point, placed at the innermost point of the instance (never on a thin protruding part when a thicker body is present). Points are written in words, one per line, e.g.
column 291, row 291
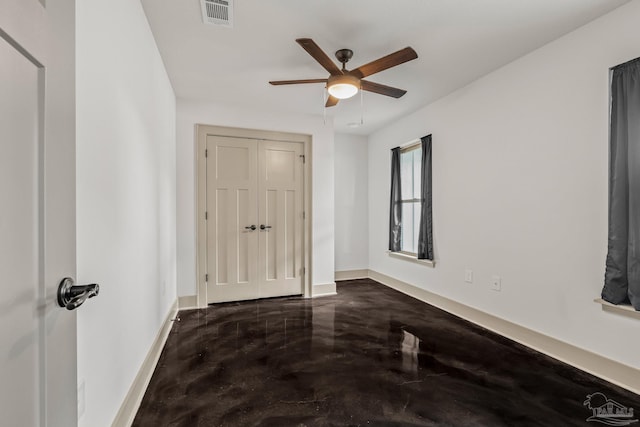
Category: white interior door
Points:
column 254, row 201
column 280, row 182
column 232, row 169
column 37, row 200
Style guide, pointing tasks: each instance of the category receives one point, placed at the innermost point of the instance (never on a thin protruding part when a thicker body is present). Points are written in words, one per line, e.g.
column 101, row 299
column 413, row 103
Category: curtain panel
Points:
column 395, row 214
column 622, row 275
column 425, row 239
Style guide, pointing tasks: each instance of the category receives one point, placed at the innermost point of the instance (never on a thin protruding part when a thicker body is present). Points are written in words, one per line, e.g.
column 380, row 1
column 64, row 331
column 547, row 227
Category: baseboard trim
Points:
column 610, row 370
column 132, row 401
column 187, row 302
column 351, row 274
column 323, row 290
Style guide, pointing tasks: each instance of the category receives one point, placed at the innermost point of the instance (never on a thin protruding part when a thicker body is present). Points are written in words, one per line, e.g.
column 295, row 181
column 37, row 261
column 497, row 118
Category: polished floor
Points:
column 369, row 356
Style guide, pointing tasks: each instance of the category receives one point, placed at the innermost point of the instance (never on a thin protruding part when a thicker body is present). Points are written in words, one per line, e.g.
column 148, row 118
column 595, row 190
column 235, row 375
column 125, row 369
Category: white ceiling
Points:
column 457, row 41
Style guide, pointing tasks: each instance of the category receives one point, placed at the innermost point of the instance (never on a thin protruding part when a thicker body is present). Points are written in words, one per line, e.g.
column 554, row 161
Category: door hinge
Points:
column 304, row 215
column 206, row 216
column 304, row 270
column 206, row 153
column 206, row 277
column 304, row 159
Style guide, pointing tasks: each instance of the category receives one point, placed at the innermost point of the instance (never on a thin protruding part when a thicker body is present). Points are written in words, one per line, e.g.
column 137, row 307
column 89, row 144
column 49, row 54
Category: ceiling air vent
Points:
column 217, row 12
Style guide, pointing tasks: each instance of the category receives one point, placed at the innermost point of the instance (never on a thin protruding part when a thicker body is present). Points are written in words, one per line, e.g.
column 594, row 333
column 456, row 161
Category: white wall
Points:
column 520, row 189
column 190, row 113
column 126, row 199
column 351, row 203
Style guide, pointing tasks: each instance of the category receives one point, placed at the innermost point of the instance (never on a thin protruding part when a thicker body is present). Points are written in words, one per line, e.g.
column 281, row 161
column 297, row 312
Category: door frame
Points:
column 203, row 131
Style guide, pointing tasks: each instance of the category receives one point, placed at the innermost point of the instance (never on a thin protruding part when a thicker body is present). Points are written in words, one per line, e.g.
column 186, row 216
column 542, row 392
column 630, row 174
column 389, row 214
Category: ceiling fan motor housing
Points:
column 343, row 79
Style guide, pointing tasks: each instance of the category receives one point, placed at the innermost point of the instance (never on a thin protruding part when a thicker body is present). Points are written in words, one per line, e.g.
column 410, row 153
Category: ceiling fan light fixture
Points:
column 343, row 86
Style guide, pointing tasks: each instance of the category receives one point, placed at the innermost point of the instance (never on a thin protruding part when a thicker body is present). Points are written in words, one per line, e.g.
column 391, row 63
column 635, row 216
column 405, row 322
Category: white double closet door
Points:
column 254, row 218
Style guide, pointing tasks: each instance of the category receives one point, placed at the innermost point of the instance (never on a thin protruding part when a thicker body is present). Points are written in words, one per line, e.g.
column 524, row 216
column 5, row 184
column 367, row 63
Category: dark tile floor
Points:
column 369, row 356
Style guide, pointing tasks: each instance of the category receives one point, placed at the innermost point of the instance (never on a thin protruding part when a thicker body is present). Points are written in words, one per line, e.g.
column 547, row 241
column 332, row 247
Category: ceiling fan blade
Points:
column 294, row 82
column 331, row 101
column 381, row 89
column 391, row 60
column 314, row 50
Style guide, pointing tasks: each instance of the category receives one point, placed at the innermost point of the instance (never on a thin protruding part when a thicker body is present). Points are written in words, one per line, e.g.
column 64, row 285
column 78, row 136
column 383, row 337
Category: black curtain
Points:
column 622, row 276
column 395, row 214
column 425, row 239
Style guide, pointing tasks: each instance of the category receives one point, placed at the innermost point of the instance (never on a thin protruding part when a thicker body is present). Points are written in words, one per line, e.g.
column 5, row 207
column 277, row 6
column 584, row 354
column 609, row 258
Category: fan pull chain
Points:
column 361, row 107
column 324, row 105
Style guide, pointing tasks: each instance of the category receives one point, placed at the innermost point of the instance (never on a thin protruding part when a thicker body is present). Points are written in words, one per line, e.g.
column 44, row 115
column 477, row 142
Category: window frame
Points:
column 393, row 223
column 412, row 146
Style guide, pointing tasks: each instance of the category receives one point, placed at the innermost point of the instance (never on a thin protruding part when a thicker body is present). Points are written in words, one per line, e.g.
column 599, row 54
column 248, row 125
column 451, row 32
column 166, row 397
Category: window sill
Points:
column 411, row 258
column 623, row 309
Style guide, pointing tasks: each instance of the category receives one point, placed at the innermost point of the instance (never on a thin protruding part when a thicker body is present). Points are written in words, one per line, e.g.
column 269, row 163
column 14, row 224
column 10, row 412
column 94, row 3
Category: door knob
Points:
column 72, row 297
column 264, row 227
column 251, row 227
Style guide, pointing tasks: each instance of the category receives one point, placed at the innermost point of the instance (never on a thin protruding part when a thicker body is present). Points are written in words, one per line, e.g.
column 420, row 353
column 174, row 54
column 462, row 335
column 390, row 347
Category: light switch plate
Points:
column 468, row 275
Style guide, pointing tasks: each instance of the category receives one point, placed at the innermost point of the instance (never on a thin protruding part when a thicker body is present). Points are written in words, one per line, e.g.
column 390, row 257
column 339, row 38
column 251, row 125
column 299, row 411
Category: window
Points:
column 410, row 171
column 410, row 222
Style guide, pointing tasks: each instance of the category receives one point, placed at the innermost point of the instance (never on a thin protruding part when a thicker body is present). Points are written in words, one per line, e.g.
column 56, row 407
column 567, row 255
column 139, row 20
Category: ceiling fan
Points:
column 343, row 83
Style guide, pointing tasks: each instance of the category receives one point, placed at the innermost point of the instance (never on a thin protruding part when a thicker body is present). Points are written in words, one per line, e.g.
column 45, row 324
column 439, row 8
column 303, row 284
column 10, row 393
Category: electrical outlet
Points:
column 496, row 283
column 81, row 402
column 468, row 275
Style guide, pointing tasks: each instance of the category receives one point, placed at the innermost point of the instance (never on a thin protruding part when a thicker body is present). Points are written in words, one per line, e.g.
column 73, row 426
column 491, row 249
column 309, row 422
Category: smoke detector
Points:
column 217, row 12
